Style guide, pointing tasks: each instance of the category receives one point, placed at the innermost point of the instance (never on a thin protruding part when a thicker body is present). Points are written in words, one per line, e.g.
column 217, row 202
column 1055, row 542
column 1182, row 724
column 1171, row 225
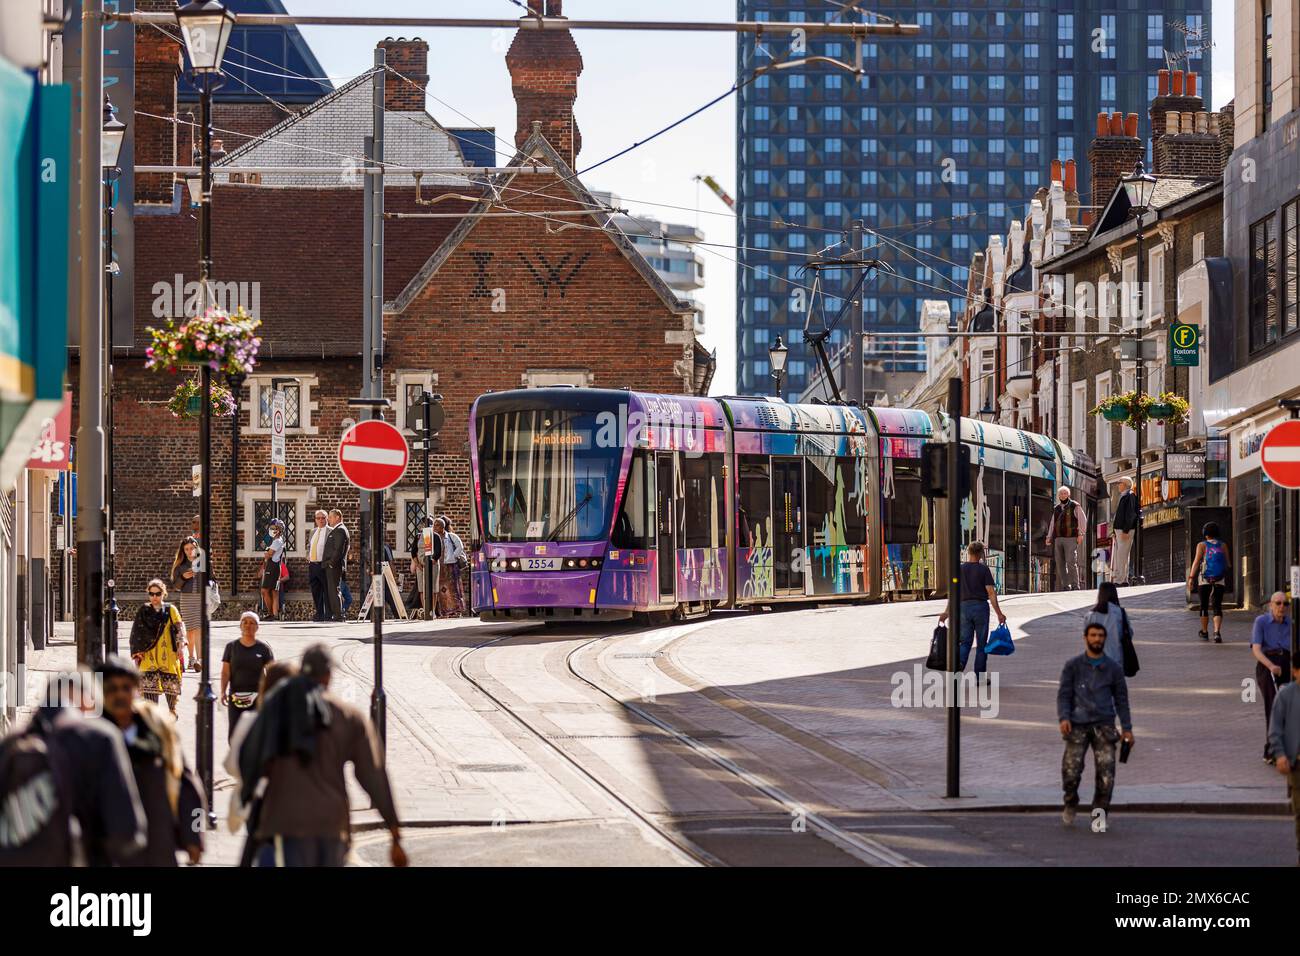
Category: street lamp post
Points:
column 778, row 354
column 1139, row 187
column 235, row 381
column 114, row 132
column 205, row 28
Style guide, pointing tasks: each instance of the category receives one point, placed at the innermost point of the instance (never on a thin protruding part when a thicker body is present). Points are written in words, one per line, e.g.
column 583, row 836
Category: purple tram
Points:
column 604, row 504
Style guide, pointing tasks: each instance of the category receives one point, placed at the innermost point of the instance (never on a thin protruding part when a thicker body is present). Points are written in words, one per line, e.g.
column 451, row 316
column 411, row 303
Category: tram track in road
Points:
column 865, row 849
column 700, row 838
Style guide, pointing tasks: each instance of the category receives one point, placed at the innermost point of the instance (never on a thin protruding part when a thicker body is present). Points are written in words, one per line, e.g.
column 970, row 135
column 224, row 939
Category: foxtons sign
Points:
column 1184, row 344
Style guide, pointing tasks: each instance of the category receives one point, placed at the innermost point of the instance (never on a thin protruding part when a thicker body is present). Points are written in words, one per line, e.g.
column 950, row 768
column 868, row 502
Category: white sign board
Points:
column 196, row 479
column 277, row 433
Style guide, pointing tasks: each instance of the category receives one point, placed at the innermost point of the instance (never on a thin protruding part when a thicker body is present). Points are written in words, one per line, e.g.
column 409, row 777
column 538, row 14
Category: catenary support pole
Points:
column 427, row 401
column 367, row 366
column 90, row 433
column 954, row 500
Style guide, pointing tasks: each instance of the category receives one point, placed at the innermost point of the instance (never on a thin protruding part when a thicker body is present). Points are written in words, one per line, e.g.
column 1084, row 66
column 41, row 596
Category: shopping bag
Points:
column 214, row 597
column 1000, row 641
column 938, row 659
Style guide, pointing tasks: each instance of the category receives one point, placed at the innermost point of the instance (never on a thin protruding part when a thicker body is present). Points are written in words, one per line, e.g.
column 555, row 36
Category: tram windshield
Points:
column 547, row 475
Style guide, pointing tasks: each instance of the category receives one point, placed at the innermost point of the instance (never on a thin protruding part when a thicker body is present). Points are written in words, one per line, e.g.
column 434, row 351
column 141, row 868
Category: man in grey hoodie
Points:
column 1284, row 738
column 1092, row 693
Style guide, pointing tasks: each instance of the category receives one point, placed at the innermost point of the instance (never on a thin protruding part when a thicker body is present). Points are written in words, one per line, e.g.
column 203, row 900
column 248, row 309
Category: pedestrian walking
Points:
column 157, row 639
column 185, row 585
column 238, row 814
column 1065, row 538
column 977, row 592
column 1091, row 694
column 1108, row 613
column 301, row 741
column 1128, row 513
column 1210, row 569
column 171, row 797
column 1284, row 739
column 335, row 559
column 1270, row 645
column 316, row 567
column 67, row 763
column 455, row 562
column 242, row 664
column 272, row 564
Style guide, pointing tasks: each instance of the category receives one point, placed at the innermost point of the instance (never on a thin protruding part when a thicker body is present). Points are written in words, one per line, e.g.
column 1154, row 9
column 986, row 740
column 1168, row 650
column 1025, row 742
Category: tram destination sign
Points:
column 1185, row 465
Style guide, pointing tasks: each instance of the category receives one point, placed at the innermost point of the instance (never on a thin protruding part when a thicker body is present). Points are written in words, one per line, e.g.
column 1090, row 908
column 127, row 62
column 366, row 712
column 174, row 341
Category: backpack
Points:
column 1216, row 561
column 35, row 800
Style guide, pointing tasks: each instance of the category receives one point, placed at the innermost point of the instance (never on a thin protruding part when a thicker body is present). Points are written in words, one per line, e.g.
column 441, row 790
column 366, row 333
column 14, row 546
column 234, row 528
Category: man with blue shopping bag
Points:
column 977, row 593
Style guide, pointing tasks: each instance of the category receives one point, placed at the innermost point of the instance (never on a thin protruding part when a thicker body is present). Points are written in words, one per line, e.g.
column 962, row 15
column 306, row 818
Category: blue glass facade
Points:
column 941, row 143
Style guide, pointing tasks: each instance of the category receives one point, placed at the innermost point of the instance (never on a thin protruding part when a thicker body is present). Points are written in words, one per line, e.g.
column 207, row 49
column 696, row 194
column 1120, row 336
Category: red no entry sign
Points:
column 372, row 455
column 1280, row 454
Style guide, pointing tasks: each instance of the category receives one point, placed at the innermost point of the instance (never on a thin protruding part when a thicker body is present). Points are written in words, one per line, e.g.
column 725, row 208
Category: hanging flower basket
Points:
column 223, row 342
column 1169, row 408
column 1134, row 410
column 187, row 400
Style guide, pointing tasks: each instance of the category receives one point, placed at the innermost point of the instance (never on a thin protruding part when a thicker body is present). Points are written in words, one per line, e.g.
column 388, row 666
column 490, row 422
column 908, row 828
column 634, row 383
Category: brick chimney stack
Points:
column 1184, row 137
column 1112, row 155
column 544, row 68
column 157, row 64
column 409, row 59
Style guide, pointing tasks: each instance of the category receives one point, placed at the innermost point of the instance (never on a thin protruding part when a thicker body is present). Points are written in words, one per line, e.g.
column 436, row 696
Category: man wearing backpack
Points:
column 1212, row 562
column 67, row 764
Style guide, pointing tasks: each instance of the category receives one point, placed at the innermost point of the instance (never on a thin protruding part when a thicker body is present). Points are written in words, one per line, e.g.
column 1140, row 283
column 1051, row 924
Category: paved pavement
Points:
column 513, row 744
column 833, row 674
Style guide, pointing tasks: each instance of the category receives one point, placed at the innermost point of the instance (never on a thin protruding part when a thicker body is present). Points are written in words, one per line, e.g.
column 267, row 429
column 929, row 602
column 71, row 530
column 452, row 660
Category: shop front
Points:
column 1259, row 509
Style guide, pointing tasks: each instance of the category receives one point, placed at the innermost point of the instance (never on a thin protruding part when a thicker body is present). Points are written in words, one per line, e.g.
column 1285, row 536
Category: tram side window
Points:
column 632, row 528
column 852, row 482
column 755, row 512
column 1042, row 492
column 705, row 500
column 819, row 478
column 902, row 503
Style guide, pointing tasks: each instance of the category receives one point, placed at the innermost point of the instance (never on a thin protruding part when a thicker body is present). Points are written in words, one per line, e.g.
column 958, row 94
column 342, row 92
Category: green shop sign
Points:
column 1184, row 344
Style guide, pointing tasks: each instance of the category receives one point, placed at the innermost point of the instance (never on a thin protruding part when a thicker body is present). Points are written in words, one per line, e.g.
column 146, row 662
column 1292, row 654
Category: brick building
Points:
column 526, row 283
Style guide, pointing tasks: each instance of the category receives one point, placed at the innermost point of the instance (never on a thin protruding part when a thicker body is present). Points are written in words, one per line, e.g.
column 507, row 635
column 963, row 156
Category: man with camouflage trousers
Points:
column 1092, row 692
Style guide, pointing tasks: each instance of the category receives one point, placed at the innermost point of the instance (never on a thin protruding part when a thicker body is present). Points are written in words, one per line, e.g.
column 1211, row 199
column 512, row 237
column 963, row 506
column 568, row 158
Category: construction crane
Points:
column 717, row 190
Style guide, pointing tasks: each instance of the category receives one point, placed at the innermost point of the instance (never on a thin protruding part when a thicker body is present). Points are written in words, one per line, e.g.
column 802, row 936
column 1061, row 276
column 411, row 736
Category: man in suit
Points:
column 315, row 565
column 335, row 560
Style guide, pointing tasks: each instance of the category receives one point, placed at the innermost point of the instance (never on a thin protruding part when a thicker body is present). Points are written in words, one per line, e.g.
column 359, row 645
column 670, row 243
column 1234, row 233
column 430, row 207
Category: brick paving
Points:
column 831, row 673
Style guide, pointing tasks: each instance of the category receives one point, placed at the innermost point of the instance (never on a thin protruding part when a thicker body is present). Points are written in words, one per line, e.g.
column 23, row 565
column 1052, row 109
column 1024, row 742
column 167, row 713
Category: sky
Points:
column 633, row 84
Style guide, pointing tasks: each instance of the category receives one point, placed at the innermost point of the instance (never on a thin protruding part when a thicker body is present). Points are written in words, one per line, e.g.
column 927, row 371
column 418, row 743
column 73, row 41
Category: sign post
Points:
column 278, row 460
column 372, row 456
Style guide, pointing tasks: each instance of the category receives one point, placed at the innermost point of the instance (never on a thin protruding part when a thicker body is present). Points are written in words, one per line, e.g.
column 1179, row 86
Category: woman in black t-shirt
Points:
column 242, row 665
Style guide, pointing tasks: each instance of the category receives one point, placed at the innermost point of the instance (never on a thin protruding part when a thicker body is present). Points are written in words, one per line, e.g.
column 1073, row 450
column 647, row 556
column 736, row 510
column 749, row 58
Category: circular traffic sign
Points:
column 1280, row 454
column 372, row 455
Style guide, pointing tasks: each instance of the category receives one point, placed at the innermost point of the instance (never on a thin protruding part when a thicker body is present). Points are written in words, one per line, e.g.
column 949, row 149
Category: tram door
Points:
column 666, row 511
column 787, row 525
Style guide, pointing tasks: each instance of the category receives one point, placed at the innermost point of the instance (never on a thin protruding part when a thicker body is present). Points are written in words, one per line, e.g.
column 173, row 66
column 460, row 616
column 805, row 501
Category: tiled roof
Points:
column 332, row 131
